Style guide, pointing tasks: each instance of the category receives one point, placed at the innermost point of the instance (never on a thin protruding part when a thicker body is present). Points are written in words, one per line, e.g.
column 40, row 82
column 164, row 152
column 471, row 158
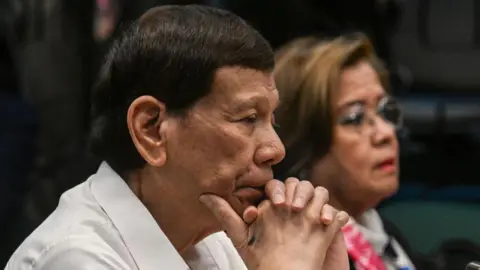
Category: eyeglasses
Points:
column 387, row 109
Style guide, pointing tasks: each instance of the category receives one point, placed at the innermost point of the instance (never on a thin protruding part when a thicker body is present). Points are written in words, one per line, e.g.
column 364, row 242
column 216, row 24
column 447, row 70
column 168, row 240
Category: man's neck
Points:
column 170, row 209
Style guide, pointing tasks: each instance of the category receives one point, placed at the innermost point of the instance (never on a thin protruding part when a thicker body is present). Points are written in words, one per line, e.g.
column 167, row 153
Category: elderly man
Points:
column 183, row 119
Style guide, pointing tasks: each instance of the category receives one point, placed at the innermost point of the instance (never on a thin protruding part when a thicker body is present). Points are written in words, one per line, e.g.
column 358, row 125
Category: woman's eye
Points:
column 354, row 119
column 391, row 113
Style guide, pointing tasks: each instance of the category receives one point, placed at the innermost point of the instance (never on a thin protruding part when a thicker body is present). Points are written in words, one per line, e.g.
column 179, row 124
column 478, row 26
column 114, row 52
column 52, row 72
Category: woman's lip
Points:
column 387, row 165
column 388, row 168
column 387, row 161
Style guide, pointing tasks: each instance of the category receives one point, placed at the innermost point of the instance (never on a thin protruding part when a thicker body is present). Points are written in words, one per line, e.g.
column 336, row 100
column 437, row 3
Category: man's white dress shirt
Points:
column 100, row 224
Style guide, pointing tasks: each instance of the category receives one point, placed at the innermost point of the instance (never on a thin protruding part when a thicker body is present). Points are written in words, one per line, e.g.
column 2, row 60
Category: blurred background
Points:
column 50, row 51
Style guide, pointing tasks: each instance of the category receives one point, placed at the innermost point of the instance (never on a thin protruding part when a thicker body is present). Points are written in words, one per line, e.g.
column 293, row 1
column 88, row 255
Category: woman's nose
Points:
column 384, row 132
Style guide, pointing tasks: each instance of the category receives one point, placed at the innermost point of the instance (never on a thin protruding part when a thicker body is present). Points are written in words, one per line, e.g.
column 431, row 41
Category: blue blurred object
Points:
column 450, row 193
column 17, row 142
column 427, row 224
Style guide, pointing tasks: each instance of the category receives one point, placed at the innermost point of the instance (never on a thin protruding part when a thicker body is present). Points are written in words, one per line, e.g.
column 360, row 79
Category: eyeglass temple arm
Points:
column 473, row 266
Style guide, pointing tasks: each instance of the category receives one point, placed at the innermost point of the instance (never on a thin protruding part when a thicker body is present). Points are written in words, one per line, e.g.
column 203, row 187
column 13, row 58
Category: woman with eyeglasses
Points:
column 338, row 124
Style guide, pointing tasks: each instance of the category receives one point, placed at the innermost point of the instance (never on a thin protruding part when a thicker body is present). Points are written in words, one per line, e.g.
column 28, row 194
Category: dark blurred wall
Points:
column 282, row 20
column 53, row 50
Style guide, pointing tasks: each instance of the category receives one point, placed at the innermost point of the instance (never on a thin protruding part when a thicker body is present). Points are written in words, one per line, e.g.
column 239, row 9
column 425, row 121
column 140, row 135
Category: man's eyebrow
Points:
column 244, row 103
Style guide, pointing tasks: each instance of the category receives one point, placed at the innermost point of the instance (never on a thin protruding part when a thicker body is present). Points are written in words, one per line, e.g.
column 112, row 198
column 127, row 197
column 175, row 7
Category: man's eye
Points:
column 251, row 119
column 353, row 119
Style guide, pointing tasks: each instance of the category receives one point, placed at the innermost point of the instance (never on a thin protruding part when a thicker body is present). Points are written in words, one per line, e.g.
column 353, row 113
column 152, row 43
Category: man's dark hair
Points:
column 171, row 53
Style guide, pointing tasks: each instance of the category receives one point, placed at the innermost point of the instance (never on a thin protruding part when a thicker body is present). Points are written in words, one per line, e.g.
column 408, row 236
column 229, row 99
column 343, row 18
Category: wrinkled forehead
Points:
column 238, row 85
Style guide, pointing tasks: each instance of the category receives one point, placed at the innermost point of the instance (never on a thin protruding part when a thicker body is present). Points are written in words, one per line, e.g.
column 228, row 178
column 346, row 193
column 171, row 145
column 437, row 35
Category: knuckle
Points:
column 343, row 217
column 300, row 196
column 275, row 187
column 274, row 183
column 279, row 190
column 291, row 180
column 322, row 192
column 312, row 217
column 265, row 204
column 306, row 185
column 334, row 210
column 327, row 208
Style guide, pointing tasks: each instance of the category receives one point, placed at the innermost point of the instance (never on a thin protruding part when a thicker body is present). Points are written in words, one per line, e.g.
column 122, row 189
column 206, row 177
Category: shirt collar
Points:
column 148, row 245
column 371, row 226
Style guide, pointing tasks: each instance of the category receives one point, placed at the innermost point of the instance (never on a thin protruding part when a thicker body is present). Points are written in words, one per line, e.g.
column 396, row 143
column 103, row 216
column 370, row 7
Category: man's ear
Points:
column 144, row 118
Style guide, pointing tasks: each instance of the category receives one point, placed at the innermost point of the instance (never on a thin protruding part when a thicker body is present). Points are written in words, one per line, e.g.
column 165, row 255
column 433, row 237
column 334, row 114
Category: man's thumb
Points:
column 230, row 221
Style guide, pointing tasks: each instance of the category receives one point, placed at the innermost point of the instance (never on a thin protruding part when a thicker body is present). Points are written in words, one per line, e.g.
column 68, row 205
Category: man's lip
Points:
column 250, row 195
column 254, row 180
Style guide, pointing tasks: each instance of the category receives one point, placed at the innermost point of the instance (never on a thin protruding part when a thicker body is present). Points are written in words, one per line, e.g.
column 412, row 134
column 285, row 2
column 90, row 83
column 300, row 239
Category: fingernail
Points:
column 298, row 203
column 205, row 199
column 343, row 216
column 277, row 199
column 327, row 216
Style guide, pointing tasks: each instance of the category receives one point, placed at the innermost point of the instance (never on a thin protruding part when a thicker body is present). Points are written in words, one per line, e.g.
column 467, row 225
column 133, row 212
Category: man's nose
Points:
column 271, row 150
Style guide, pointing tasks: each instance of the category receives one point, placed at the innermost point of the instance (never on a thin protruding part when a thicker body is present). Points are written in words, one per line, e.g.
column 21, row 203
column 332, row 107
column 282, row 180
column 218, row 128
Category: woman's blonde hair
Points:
column 307, row 72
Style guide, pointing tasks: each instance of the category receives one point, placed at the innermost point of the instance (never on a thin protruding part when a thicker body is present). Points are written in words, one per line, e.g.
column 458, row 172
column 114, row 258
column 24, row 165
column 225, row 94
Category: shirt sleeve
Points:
column 230, row 251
